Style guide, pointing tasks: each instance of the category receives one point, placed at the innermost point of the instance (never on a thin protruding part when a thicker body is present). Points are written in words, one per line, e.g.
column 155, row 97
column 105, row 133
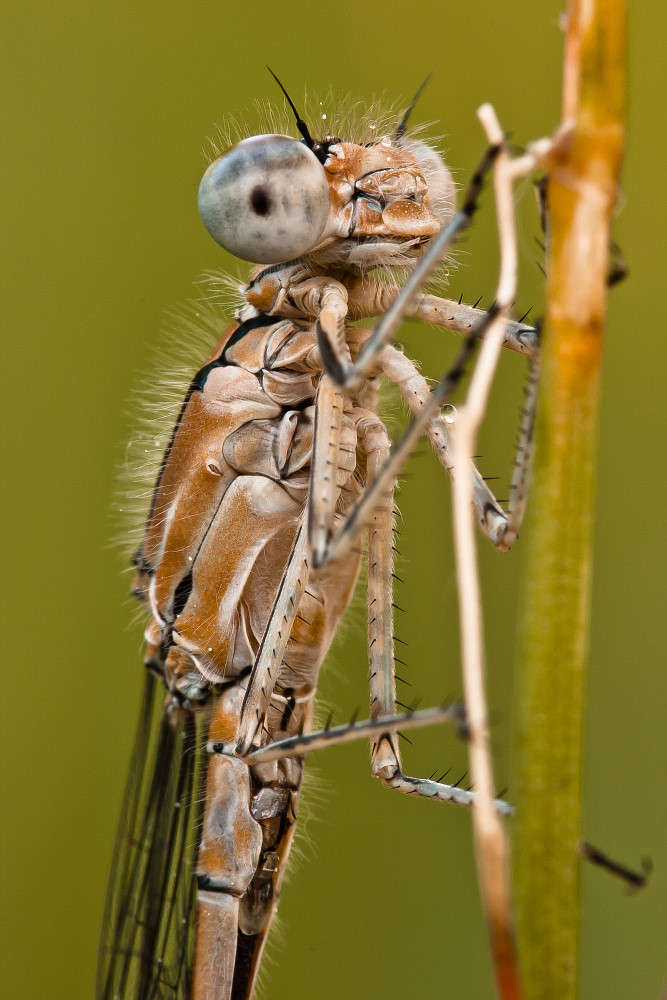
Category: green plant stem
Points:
column 582, row 191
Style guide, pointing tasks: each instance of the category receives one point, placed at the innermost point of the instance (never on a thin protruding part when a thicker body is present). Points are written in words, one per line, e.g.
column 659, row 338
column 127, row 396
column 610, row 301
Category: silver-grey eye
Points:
column 266, row 200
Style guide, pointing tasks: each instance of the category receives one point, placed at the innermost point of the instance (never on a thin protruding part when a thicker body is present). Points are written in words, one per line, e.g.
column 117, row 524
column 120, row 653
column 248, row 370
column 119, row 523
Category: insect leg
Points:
column 385, row 755
column 326, row 446
column 366, row 298
column 333, row 736
column 462, row 318
column 500, row 526
column 274, row 641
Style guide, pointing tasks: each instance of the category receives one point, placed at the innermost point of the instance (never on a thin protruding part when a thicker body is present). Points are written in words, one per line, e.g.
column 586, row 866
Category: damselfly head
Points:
column 270, row 199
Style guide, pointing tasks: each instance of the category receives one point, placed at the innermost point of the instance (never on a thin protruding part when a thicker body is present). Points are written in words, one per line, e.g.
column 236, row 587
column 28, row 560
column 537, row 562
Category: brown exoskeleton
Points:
column 278, row 474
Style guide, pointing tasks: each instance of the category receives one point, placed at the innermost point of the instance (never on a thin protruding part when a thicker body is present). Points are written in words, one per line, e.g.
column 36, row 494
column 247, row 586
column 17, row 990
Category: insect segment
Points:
column 278, row 469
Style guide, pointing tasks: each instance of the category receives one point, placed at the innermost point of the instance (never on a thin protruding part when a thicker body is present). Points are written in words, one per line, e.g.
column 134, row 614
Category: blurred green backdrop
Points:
column 105, row 111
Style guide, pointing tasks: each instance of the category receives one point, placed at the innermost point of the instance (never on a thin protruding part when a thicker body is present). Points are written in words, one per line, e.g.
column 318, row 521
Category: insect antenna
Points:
column 403, row 124
column 300, row 123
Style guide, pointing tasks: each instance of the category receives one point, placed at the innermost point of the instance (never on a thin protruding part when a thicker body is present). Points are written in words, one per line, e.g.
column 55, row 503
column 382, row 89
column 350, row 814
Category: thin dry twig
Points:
column 491, row 840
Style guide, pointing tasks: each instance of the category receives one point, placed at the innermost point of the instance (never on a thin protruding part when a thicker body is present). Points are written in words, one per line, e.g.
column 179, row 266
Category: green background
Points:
column 105, row 111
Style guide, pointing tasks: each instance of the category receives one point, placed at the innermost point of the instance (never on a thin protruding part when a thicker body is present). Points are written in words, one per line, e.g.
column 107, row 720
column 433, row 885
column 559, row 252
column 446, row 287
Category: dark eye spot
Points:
column 260, row 201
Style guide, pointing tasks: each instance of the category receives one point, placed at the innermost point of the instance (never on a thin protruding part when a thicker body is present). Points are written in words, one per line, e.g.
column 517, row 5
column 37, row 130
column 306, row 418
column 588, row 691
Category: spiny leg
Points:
column 374, row 442
column 461, row 318
column 333, row 736
column 324, row 488
column 373, row 298
column 272, row 648
column 386, row 761
column 501, row 527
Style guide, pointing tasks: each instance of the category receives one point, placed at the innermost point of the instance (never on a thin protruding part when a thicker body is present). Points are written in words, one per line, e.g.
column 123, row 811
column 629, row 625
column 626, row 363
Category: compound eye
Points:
column 266, row 200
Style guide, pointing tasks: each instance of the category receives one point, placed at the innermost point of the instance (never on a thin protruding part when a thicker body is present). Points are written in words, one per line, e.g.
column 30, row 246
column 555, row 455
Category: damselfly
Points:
column 278, row 477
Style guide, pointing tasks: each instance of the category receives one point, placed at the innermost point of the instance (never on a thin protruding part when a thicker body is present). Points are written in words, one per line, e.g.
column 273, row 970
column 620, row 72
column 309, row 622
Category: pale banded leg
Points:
column 501, row 527
column 382, row 726
column 327, row 300
column 351, row 732
column 325, row 462
column 374, row 442
column 374, row 299
column 385, row 759
column 461, row 318
column 272, row 648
